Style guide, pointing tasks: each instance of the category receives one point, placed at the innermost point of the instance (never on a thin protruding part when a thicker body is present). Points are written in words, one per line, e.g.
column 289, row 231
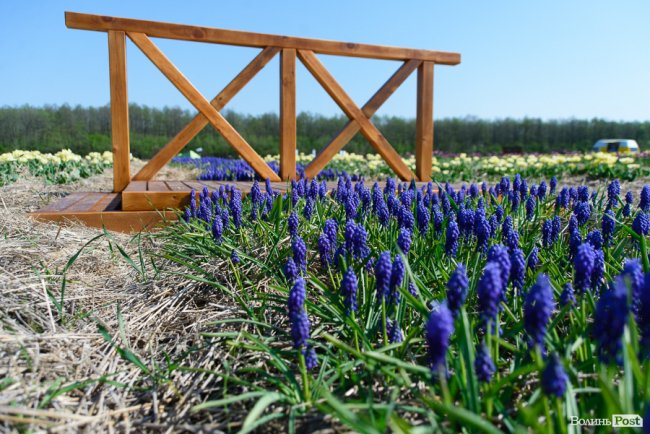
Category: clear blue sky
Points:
column 551, row 59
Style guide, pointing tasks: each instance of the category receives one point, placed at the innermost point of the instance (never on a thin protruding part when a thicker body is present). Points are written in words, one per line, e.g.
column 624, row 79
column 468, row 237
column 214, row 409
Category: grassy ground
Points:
column 91, row 342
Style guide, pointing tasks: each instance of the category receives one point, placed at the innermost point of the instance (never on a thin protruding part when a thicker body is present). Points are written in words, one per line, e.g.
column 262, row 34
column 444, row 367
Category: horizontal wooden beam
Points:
column 204, row 107
column 80, row 21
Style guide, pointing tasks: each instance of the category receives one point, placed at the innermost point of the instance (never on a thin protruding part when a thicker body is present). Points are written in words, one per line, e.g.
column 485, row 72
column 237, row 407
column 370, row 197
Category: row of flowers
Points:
column 452, row 168
column 60, row 168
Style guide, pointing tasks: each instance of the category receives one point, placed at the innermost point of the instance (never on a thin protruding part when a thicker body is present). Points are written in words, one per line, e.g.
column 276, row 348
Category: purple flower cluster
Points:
column 489, row 291
column 457, row 287
column 609, row 321
column 483, row 364
column 439, row 329
column 538, row 307
column 554, row 377
column 349, row 290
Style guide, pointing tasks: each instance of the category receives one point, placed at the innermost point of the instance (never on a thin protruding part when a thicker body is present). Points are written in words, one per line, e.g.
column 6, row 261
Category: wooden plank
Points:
column 110, row 202
column 203, row 105
column 157, row 186
column 80, row 21
column 369, row 131
column 288, row 114
column 87, row 203
column 352, row 127
column 196, row 185
column 136, row 186
column 176, row 186
column 212, row 185
column 117, row 221
column 175, row 145
column 152, row 200
column 64, row 202
column 424, row 122
column 119, row 110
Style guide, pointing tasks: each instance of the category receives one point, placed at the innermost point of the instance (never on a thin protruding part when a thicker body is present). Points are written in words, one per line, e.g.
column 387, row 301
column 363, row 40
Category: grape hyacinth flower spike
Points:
column 483, row 364
column 439, row 328
column 538, row 307
column 457, row 289
column 348, row 290
column 300, row 325
column 554, row 377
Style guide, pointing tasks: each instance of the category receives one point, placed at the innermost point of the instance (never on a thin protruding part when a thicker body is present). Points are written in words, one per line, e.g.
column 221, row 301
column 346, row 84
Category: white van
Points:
column 619, row 146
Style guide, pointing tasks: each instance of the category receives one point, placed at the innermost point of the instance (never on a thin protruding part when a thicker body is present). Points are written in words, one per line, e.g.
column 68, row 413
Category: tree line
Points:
column 86, row 129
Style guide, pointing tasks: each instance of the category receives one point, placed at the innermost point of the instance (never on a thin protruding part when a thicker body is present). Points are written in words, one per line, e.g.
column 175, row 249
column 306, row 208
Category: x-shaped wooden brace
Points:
column 360, row 119
column 208, row 111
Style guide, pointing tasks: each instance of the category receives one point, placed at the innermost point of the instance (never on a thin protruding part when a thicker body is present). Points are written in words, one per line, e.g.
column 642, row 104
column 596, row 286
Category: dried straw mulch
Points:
column 58, row 373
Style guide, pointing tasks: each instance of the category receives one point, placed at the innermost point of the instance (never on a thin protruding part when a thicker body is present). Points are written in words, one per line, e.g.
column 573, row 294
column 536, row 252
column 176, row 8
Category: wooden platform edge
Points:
column 115, row 221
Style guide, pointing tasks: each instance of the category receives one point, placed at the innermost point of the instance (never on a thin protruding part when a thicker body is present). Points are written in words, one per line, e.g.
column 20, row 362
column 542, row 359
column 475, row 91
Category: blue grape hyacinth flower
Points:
column 383, row 268
column 517, row 269
column 439, row 329
column 457, row 287
column 483, row 364
column 584, row 263
column 567, row 297
column 348, row 290
column 609, row 321
column 299, row 249
column 451, row 241
column 404, row 240
column 489, row 292
column 538, row 308
column 554, row 377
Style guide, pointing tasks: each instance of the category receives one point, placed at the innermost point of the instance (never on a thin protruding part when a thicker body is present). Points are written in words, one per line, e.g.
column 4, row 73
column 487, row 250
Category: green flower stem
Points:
column 383, row 319
column 354, row 331
column 561, row 420
column 305, row 377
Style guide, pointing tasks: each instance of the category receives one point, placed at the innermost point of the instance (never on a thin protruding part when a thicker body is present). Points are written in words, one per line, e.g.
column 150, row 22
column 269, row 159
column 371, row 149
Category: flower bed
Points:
column 510, row 307
column 60, row 168
column 460, row 167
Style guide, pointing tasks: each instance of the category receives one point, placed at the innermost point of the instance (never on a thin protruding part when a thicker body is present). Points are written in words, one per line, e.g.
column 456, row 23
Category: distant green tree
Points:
column 84, row 129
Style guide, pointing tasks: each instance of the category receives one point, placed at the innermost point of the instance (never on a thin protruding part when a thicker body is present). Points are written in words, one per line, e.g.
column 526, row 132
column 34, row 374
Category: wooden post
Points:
column 424, row 122
column 288, row 114
column 119, row 110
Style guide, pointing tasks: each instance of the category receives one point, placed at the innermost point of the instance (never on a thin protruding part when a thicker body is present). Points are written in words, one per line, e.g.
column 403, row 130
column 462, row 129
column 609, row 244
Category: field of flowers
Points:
column 461, row 167
column 60, row 168
column 511, row 307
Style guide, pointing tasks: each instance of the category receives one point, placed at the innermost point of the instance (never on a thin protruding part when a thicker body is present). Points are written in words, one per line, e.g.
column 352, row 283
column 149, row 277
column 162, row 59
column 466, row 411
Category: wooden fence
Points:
column 289, row 48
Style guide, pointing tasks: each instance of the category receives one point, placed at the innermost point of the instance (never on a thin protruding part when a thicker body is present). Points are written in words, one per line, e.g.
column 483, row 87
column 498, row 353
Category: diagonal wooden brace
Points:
column 245, row 151
column 369, row 109
column 368, row 129
column 176, row 144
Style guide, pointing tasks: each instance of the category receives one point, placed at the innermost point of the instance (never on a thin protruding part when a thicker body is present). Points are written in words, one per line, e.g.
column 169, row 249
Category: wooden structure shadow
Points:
column 141, row 194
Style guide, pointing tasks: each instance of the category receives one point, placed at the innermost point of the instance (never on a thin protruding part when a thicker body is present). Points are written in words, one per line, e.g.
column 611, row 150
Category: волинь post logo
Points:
column 616, row 421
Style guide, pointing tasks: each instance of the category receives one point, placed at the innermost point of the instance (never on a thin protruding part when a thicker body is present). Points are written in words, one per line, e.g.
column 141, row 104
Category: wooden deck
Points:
column 102, row 210
column 143, row 205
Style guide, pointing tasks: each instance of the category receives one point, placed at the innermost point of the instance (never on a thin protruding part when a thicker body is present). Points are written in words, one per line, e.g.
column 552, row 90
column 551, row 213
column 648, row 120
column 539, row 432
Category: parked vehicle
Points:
column 619, row 146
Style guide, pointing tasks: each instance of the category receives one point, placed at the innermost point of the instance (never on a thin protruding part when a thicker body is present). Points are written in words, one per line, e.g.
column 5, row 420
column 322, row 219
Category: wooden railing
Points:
column 289, row 48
